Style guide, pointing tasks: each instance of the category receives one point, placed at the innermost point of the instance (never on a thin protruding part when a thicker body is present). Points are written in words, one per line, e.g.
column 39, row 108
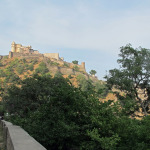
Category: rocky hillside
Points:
column 12, row 70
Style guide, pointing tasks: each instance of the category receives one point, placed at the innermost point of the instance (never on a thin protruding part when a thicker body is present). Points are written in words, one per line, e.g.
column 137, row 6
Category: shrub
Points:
column 66, row 65
column 9, row 68
column 20, row 69
column 12, row 78
column 55, row 63
column 15, row 62
column 42, row 68
column 76, row 68
column 75, row 62
column 34, row 61
column 24, row 60
column 70, row 77
column 58, row 74
column 30, row 67
column 2, row 73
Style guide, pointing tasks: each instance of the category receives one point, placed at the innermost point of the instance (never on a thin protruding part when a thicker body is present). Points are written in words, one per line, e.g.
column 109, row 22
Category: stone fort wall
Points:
column 22, row 55
column 52, row 55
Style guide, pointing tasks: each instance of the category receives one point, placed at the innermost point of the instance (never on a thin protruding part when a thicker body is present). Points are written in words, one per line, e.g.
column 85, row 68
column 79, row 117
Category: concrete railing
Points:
column 15, row 138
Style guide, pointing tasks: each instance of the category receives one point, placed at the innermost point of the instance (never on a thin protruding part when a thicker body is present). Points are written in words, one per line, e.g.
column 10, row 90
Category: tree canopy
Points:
column 133, row 76
column 75, row 62
column 62, row 117
column 92, row 72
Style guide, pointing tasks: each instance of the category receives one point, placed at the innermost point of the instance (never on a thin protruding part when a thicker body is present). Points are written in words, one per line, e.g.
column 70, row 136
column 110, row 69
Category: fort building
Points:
column 18, row 48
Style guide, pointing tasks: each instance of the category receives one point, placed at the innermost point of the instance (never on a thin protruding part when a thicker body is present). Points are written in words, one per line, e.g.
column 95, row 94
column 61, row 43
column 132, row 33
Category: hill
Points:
column 22, row 62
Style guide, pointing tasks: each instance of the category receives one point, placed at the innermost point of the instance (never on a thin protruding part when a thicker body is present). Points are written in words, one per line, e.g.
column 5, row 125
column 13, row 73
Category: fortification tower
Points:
column 83, row 65
column 13, row 45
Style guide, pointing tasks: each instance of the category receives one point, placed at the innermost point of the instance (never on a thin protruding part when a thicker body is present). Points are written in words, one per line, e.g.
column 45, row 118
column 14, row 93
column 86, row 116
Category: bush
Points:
column 58, row 74
column 55, row 63
column 14, row 78
column 70, row 77
column 66, row 65
column 42, row 68
column 76, row 68
column 30, row 67
column 34, row 61
column 9, row 69
column 11, row 78
column 24, row 60
column 15, row 62
column 2, row 73
column 20, row 69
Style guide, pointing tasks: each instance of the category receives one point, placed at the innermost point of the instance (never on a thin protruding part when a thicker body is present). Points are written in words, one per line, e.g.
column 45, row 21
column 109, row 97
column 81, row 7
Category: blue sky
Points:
column 84, row 30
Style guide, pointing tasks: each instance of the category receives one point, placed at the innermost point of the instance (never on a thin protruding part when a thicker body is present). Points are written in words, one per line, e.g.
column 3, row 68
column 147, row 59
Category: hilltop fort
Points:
column 53, row 61
column 17, row 50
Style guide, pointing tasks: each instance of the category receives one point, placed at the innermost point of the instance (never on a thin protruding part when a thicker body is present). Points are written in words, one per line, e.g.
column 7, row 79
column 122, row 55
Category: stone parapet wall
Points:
column 52, row 55
column 23, row 55
column 15, row 138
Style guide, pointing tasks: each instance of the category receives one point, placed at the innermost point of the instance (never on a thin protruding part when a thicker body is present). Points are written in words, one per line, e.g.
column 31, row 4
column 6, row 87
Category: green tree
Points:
column 92, row 72
column 133, row 75
column 63, row 117
column 52, row 108
column 62, row 108
column 75, row 62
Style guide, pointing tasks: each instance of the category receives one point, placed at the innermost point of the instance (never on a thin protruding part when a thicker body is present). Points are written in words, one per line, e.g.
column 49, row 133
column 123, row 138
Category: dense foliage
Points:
column 62, row 117
column 133, row 77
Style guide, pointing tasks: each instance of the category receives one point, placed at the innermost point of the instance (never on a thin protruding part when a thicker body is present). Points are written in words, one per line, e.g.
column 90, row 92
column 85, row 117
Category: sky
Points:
column 90, row 31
